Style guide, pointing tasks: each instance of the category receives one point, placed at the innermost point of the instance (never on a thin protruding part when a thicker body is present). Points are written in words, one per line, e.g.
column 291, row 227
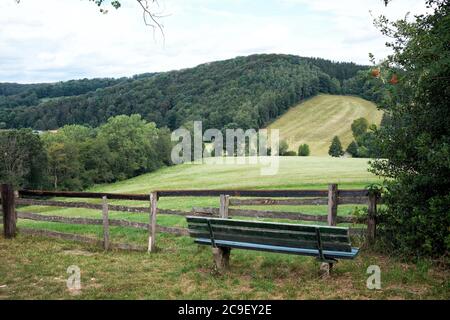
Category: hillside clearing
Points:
column 317, row 120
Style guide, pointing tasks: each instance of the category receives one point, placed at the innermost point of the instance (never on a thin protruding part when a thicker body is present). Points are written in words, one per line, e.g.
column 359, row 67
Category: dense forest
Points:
column 245, row 92
column 13, row 95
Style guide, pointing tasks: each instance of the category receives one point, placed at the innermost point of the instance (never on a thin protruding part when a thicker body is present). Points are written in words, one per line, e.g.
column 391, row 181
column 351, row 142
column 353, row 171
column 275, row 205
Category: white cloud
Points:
column 49, row 40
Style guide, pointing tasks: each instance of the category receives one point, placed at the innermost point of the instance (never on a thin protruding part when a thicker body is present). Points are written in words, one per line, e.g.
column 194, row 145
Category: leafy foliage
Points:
column 23, row 160
column 365, row 144
column 365, row 85
column 415, row 142
column 352, row 149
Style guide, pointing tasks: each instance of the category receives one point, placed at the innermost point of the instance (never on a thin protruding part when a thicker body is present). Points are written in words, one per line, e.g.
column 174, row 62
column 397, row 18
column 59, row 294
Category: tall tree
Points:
column 23, row 160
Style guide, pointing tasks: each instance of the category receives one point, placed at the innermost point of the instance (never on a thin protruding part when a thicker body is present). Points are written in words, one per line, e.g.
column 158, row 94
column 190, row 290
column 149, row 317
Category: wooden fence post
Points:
column 105, row 223
column 332, row 204
column 371, row 217
column 152, row 222
column 221, row 255
column 9, row 211
column 325, row 267
column 224, row 204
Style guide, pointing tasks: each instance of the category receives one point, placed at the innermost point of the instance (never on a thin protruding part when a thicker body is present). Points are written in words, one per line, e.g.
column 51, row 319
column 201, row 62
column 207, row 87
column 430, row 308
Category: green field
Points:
column 293, row 173
column 35, row 267
column 317, row 120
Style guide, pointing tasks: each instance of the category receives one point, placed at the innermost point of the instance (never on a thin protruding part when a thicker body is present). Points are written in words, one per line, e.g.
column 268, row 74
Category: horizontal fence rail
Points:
column 91, row 221
column 229, row 200
column 297, row 202
column 278, row 202
column 93, row 206
column 260, row 193
column 85, row 195
column 196, row 193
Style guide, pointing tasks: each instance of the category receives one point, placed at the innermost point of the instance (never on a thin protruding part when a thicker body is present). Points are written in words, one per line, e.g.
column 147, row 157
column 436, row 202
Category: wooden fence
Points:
column 333, row 197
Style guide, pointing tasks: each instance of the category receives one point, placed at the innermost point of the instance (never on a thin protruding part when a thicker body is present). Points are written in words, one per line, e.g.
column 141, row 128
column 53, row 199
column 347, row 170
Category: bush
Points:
column 290, row 154
column 283, row 148
column 359, row 127
column 303, row 150
column 414, row 224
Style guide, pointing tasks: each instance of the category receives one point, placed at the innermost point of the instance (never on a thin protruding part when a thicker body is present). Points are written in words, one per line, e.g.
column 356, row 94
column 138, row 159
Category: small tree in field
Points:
column 283, row 147
column 290, row 154
column 359, row 127
column 303, row 150
column 336, row 148
column 353, row 149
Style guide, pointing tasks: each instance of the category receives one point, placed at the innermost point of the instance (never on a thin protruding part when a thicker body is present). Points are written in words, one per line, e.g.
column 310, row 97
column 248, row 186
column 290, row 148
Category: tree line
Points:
column 76, row 157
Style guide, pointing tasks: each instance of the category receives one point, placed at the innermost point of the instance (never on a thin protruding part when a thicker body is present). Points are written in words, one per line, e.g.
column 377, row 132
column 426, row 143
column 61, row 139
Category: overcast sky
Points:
column 51, row 40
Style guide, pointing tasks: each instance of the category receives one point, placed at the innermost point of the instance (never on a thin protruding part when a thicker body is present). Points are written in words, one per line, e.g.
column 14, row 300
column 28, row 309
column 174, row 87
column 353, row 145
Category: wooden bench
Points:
column 327, row 244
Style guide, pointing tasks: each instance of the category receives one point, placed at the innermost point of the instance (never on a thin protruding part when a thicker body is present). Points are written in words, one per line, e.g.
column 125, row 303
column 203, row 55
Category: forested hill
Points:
column 15, row 94
column 246, row 92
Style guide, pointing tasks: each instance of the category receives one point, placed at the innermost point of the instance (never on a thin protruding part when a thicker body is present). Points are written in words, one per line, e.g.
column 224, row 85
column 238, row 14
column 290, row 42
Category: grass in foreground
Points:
column 35, row 268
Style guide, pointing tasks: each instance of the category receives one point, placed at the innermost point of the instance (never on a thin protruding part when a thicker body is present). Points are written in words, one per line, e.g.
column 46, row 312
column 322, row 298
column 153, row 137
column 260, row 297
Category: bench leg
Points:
column 221, row 258
column 325, row 269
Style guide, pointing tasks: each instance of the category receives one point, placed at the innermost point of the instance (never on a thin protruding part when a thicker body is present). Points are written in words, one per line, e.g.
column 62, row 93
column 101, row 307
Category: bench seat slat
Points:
column 272, row 240
column 269, row 225
column 280, row 249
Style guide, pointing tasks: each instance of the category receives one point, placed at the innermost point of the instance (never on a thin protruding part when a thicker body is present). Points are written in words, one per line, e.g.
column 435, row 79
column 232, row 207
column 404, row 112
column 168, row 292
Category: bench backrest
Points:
column 270, row 233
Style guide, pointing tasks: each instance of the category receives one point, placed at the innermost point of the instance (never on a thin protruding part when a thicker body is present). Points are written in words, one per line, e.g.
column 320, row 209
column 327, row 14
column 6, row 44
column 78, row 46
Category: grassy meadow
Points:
column 36, row 268
column 182, row 270
column 317, row 120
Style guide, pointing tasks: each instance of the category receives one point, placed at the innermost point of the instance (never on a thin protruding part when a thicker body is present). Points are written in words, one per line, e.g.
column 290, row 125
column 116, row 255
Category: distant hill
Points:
column 245, row 92
column 317, row 120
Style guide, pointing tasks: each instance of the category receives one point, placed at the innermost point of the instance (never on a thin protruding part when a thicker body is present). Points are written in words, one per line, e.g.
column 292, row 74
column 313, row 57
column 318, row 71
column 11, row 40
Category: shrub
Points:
column 303, row 150
column 336, row 148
